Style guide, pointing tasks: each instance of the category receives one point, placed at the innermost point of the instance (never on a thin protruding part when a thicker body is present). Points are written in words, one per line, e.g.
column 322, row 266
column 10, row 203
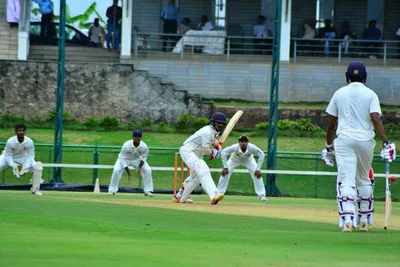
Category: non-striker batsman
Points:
column 356, row 110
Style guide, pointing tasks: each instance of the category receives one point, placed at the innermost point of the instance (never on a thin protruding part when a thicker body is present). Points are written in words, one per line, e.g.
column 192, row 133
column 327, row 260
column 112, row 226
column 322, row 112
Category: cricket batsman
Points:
column 20, row 151
column 133, row 153
column 356, row 110
column 241, row 154
column 192, row 152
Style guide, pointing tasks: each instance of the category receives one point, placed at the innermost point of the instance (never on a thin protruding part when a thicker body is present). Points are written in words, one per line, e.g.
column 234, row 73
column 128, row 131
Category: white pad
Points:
column 365, row 203
column 204, row 177
column 37, row 176
column 346, row 198
column 189, row 185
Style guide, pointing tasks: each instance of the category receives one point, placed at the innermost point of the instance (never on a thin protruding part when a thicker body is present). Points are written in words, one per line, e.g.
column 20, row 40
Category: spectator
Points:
column 398, row 39
column 372, row 34
column 13, row 12
column 346, row 34
column 47, row 24
column 204, row 24
column 309, row 30
column 328, row 33
column 170, row 17
column 114, row 15
column 185, row 26
column 95, row 31
column 260, row 31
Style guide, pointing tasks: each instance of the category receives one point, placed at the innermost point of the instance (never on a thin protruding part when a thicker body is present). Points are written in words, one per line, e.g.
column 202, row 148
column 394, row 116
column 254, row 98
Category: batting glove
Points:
column 215, row 153
column 217, row 144
column 388, row 152
column 328, row 155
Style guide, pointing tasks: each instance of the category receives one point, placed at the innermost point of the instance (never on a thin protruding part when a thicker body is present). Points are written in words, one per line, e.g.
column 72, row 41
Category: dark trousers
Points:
column 47, row 28
column 170, row 26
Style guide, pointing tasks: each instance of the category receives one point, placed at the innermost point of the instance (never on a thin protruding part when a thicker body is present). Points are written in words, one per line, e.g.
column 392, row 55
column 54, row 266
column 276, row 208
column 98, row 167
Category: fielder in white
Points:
column 20, row 151
column 133, row 153
column 192, row 152
column 241, row 154
column 357, row 111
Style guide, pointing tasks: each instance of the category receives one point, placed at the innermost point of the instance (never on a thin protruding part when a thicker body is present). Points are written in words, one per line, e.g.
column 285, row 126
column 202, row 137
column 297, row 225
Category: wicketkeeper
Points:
column 356, row 110
column 241, row 154
column 20, row 151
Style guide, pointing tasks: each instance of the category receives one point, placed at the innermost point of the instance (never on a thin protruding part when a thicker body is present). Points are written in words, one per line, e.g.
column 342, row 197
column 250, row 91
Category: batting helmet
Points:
column 356, row 72
column 218, row 117
column 137, row 133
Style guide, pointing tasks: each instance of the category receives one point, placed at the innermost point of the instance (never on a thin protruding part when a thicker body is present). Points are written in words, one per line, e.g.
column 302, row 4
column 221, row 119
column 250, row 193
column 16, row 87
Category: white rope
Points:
column 310, row 173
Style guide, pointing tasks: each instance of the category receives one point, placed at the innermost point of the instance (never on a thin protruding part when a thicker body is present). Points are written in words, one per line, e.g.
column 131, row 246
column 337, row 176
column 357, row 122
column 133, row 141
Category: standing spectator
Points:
column 114, row 15
column 185, row 26
column 346, row 34
column 13, row 12
column 170, row 17
column 204, row 24
column 372, row 34
column 47, row 23
column 327, row 32
column 94, row 34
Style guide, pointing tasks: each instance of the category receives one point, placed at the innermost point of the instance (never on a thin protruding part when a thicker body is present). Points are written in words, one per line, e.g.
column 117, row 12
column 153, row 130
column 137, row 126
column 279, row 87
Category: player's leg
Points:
column 37, row 171
column 259, row 186
column 365, row 188
column 115, row 178
column 3, row 162
column 147, row 179
column 346, row 160
column 224, row 180
column 189, row 185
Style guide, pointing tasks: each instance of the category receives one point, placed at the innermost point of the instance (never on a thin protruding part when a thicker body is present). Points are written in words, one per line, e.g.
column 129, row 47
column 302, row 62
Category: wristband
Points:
column 329, row 148
column 385, row 143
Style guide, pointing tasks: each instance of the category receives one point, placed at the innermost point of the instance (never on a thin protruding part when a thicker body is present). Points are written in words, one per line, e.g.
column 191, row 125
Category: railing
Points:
column 346, row 48
column 301, row 174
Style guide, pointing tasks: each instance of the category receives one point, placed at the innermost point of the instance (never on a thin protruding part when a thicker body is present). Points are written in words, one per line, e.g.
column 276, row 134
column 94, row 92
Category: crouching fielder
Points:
column 192, row 152
column 242, row 155
column 357, row 110
column 133, row 153
column 20, row 151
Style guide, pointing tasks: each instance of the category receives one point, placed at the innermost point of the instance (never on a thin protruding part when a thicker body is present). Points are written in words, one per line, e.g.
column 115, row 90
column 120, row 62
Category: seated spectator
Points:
column 327, row 32
column 373, row 34
column 184, row 27
column 309, row 30
column 204, row 24
column 260, row 31
column 96, row 34
column 398, row 39
column 13, row 12
column 346, row 34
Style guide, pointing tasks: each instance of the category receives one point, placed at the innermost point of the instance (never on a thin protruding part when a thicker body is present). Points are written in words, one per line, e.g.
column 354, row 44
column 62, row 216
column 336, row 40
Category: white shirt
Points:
column 353, row 105
column 207, row 26
column 237, row 155
column 23, row 152
column 94, row 33
column 398, row 32
column 260, row 30
column 201, row 140
column 130, row 153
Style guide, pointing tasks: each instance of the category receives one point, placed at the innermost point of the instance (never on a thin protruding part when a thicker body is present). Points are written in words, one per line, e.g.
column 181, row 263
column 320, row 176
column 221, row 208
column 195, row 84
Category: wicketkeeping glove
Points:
column 388, row 152
column 15, row 170
column 328, row 155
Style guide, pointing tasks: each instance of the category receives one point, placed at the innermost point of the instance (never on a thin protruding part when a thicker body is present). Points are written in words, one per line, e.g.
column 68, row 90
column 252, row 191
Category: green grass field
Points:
column 87, row 229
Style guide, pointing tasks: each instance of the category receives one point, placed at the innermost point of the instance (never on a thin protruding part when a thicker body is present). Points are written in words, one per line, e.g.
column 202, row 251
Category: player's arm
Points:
column 225, row 154
column 123, row 158
column 8, row 155
column 29, row 159
column 377, row 122
column 261, row 156
column 330, row 130
column 143, row 158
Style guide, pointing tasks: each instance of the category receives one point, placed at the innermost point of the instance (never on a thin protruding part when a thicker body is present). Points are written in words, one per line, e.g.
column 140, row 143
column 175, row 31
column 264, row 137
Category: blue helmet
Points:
column 137, row 133
column 356, row 71
column 218, row 117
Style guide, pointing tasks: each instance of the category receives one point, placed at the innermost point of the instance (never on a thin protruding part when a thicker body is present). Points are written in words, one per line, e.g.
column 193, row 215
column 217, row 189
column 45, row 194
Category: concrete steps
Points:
column 78, row 54
column 8, row 36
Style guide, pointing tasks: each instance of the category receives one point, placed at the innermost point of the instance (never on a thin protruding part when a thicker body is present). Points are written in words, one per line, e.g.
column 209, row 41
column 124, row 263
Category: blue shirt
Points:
column 370, row 34
column 46, row 6
column 171, row 13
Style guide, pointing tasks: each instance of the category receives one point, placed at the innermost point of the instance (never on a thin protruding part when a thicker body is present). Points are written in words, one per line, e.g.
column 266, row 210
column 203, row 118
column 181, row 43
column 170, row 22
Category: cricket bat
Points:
column 230, row 126
column 388, row 197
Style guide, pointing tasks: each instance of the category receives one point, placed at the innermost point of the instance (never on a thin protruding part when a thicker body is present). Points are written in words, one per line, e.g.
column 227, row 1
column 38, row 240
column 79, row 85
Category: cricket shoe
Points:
column 148, row 194
column 263, row 199
column 347, row 227
column 363, row 227
column 217, row 199
column 111, row 193
column 38, row 193
column 178, row 200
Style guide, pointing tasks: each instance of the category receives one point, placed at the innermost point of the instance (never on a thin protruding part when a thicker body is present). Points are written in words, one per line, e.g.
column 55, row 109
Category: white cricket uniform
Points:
column 354, row 147
column 132, row 156
column 239, row 158
column 19, row 153
column 192, row 152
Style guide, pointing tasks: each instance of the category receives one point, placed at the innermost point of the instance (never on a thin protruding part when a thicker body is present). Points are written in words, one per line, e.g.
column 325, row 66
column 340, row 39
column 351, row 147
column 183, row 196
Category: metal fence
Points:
column 290, row 184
